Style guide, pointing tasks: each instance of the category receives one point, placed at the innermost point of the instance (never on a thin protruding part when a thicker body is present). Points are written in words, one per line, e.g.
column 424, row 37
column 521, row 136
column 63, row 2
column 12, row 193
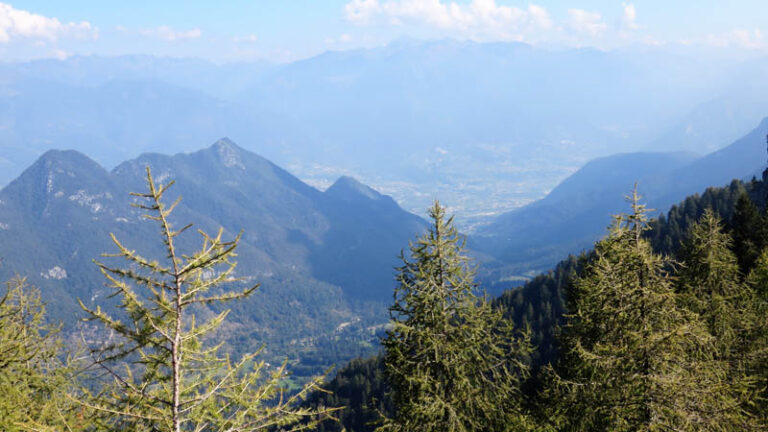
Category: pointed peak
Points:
column 348, row 187
column 347, row 180
column 66, row 159
column 58, row 172
column 228, row 153
column 225, row 143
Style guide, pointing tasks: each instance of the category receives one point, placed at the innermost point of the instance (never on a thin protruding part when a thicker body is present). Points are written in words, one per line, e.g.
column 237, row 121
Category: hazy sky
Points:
column 282, row 30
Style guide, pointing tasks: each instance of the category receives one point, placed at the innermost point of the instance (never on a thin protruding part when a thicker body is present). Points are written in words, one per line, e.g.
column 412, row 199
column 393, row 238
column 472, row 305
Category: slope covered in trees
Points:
column 572, row 216
column 630, row 338
column 661, row 326
column 546, row 302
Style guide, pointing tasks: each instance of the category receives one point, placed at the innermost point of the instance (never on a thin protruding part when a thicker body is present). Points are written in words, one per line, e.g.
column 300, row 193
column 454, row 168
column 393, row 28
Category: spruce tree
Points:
column 632, row 359
column 453, row 363
column 166, row 375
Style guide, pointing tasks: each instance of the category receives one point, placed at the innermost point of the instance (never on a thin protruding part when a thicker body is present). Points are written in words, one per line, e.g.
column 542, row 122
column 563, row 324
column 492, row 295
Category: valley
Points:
column 485, row 127
column 383, row 216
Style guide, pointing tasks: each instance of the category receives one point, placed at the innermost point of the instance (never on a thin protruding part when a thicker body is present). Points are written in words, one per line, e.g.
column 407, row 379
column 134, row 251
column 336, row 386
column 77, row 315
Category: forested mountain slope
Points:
column 542, row 302
column 573, row 215
column 324, row 259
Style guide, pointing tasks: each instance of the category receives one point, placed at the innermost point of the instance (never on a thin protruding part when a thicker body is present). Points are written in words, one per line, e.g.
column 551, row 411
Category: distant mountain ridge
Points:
column 487, row 127
column 575, row 214
column 321, row 256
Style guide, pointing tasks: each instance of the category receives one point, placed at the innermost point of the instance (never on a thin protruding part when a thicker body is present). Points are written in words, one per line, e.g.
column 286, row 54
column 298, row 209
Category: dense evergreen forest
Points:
column 662, row 326
column 542, row 305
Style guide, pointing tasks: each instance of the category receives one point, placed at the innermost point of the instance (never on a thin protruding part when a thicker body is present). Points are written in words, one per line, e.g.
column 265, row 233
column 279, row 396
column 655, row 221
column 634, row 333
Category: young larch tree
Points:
column 453, row 363
column 710, row 285
column 165, row 376
column 34, row 379
column 633, row 360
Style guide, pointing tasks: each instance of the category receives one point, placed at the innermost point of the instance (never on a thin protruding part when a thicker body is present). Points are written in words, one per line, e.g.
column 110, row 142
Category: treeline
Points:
column 661, row 327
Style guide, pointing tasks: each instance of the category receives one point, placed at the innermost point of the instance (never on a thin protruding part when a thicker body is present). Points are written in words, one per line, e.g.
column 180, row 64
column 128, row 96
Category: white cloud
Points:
column 629, row 19
column 479, row 18
column 741, row 38
column 20, row 24
column 60, row 54
column 251, row 38
column 343, row 38
column 540, row 17
column 586, row 23
column 168, row 34
column 361, row 11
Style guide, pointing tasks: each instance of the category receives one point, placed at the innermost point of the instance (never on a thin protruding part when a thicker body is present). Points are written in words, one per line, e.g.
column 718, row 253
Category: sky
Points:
column 287, row 30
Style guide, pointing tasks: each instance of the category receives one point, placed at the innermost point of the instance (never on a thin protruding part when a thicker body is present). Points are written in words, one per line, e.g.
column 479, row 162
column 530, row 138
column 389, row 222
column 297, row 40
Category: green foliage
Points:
column 362, row 390
column 757, row 359
column 668, row 232
column 710, row 285
column 540, row 305
column 165, row 373
column 747, row 222
column 722, row 342
column 632, row 359
column 452, row 362
column 33, row 380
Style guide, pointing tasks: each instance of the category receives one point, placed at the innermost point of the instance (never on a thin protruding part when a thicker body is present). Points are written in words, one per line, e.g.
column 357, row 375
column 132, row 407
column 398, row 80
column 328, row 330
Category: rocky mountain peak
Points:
column 228, row 153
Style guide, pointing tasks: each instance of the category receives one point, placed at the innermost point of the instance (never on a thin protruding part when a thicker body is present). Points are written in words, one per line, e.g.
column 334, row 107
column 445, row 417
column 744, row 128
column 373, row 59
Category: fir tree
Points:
column 633, row 360
column 165, row 375
column 453, row 364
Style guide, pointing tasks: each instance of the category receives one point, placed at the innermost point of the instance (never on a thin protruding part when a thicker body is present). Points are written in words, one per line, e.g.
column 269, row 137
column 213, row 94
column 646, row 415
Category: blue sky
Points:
column 284, row 30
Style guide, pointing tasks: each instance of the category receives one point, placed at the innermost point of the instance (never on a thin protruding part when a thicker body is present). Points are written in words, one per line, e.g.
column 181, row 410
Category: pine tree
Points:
column 34, row 381
column 452, row 362
column 633, row 360
column 165, row 375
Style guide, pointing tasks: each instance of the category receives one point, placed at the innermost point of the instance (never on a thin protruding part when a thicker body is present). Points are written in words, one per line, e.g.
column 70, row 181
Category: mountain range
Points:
column 325, row 260
column 487, row 127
